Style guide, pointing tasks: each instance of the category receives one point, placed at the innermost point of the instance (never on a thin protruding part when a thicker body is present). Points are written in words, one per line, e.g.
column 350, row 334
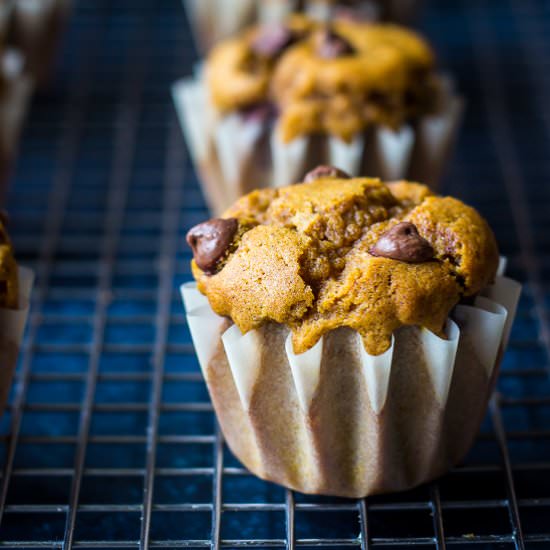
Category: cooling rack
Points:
column 110, row 440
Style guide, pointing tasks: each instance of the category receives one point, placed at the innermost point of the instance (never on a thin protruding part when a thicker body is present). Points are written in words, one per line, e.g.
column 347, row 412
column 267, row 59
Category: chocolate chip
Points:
column 210, row 240
column 332, row 45
column 272, row 40
column 325, row 172
column 402, row 242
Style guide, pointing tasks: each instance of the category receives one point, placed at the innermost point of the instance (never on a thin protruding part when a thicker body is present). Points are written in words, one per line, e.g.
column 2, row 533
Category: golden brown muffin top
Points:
column 9, row 284
column 337, row 80
column 338, row 251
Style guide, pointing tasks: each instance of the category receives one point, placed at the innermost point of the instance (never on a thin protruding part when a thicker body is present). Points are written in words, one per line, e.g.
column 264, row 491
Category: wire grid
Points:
column 110, row 440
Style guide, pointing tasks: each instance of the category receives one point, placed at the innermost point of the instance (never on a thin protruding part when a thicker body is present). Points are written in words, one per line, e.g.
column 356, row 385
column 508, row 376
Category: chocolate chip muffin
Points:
column 278, row 98
column 340, row 252
column 349, row 331
column 339, row 79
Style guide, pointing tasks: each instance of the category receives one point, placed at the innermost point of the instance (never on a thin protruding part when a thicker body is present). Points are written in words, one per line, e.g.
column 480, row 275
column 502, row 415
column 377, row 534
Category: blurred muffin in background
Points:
column 280, row 97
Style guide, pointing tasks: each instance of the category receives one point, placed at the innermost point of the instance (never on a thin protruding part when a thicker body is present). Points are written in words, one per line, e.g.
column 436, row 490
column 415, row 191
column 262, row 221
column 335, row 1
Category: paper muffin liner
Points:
column 234, row 154
column 12, row 327
column 336, row 420
column 15, row 92
column 37, row 27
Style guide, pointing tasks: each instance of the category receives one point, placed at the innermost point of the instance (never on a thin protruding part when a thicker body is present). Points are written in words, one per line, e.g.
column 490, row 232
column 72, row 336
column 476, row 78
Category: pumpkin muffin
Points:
column 279, row 97
column 349, row 331
column 346, row 252
column 338, row 80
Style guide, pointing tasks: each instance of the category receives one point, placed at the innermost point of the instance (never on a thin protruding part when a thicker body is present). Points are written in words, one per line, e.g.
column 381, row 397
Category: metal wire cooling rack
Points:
column 110, row 440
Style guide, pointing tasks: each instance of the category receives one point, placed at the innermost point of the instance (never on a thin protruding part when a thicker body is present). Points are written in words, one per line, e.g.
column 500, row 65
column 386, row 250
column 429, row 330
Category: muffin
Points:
column 281, row 97
column 15, row 289
column 214, row 20
column 349, row 331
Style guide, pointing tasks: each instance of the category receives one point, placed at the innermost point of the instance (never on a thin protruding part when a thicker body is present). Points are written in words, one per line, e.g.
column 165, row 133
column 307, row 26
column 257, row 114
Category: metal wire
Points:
column 110, row 440
column 172, row 206
column 56, row 206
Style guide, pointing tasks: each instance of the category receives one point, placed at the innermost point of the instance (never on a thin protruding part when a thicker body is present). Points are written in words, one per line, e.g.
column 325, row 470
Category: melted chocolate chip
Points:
column 402, row 242
column 210, row 240
column 325, row 172
column 273, row 40
column 332, row 45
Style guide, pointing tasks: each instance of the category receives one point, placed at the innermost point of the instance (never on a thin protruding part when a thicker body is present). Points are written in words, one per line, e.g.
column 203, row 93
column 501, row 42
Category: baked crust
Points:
column 303, row 258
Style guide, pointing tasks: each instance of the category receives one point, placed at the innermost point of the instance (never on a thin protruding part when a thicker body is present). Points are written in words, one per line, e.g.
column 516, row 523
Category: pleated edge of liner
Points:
column 488, row 324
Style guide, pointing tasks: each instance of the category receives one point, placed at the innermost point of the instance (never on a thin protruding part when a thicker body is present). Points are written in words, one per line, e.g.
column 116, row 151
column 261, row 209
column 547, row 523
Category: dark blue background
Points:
column 108, row 389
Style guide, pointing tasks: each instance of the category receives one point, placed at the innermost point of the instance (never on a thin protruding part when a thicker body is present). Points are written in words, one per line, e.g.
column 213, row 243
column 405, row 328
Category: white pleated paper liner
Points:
column 233, row 156
column 12, row 328
column 337, row 420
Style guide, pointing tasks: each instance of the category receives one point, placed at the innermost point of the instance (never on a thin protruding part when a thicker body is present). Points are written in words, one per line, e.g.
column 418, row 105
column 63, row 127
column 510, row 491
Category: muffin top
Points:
column 335, row 251
column 9, row 287
column 337, row 78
